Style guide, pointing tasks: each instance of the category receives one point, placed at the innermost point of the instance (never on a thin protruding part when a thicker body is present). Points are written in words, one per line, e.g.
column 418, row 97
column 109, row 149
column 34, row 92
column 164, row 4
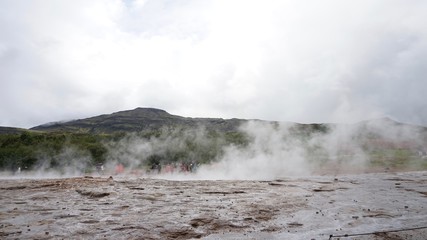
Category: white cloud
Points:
column 282, row 60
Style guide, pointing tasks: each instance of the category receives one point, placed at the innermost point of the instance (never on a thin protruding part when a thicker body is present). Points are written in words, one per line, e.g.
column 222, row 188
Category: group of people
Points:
column 155, row 168
column 171, row 168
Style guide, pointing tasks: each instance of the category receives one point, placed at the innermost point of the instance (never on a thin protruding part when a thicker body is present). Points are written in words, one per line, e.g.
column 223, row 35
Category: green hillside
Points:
column 146, row 136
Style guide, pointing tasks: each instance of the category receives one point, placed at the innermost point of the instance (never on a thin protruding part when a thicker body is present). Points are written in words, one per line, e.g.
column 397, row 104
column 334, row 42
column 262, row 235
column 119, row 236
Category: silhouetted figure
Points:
column 156, row 168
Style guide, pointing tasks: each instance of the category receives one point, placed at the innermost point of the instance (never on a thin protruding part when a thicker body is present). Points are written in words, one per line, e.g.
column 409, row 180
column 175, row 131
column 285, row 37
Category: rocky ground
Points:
column 362, row 206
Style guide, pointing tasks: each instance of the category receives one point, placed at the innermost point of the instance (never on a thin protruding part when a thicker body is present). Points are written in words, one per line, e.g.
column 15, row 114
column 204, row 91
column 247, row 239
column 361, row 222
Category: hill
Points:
column 11, row 130
column 139, row 119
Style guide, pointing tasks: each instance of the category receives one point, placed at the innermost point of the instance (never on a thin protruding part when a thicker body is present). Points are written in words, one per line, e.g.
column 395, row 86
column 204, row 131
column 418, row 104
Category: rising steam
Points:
column 277, row 150
column 261, row 150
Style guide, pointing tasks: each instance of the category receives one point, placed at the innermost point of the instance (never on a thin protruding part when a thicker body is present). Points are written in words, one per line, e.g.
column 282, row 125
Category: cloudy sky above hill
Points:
column 286, row 60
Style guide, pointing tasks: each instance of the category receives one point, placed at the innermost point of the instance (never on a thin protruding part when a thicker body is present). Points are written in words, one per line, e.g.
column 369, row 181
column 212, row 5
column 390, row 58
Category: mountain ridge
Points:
column 142, row 119
column 138, row 119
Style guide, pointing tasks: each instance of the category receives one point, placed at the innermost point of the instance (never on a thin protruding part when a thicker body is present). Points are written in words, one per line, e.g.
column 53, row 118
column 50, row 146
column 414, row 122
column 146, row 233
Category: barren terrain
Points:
column 362, row 206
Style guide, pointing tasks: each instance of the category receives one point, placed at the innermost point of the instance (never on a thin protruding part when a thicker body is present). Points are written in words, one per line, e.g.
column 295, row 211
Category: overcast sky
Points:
column 303, row 61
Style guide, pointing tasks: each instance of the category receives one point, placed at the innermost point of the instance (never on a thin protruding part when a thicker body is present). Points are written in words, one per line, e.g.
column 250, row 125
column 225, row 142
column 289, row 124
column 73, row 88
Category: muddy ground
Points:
column 362, row 206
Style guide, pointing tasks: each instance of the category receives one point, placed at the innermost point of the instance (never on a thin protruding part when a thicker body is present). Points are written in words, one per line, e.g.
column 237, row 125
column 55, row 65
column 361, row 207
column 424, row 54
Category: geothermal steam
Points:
column 273, row 150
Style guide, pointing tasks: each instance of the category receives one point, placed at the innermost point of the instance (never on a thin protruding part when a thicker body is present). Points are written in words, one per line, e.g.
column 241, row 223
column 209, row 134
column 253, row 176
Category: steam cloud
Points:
column 278, row 150
column 272, row 150
column 69, row 162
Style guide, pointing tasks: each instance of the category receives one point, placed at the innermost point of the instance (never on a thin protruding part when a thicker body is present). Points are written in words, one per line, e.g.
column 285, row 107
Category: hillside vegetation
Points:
column 144, row 137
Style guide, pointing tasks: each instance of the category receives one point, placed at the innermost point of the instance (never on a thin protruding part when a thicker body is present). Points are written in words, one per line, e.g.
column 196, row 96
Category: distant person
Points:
column 185, row 167
column 169, row 168
column 119, row 168
column 100, row 168
column 193, row 167
column 156, row 168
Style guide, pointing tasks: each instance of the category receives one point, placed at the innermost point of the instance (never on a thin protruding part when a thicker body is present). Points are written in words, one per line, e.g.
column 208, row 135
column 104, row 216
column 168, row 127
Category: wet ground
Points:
column 363, row 206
